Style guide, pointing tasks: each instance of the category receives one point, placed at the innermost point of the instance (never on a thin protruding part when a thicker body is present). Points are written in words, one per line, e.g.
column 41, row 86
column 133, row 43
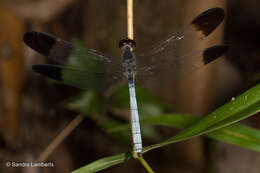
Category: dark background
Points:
column 31, row 111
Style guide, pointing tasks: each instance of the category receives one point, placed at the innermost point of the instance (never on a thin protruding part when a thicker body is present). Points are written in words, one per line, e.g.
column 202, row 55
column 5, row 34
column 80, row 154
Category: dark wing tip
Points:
column 212, row 53
column 51, row 71
column 40, row 42
column 208, row 21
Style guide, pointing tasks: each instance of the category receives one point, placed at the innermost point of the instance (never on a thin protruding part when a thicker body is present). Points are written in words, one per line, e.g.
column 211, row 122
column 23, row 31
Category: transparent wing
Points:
column 74, row 77
column 166, row 54
column 82, row 65
column 199, row 28
column 197, row 59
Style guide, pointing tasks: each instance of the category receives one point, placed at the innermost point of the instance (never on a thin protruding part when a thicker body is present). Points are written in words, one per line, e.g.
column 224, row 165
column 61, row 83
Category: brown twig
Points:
column 61, row 136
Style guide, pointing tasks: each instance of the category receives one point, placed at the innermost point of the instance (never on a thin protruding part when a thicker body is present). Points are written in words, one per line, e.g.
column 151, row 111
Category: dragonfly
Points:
column 82, row 67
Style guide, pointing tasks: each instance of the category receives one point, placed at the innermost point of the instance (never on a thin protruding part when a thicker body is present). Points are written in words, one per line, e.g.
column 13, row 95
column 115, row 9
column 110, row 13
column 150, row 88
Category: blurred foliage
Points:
column 82, row 69
column 87, row 102
column 148, row 104
column 94, row 106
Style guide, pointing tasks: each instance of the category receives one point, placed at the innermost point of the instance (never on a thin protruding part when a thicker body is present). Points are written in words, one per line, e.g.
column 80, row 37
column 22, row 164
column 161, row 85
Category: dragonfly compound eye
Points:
column 127, row 41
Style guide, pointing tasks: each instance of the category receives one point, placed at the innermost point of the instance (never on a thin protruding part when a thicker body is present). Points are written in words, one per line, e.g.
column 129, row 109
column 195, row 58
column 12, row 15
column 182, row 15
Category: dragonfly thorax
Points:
column 128, row 61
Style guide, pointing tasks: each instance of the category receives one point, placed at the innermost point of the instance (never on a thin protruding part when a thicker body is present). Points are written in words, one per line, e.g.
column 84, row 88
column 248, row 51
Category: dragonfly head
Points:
column 124, row 43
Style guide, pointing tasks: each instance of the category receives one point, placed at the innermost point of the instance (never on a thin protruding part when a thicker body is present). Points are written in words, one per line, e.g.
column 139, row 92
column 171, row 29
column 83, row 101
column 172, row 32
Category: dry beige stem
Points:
column 130, row 20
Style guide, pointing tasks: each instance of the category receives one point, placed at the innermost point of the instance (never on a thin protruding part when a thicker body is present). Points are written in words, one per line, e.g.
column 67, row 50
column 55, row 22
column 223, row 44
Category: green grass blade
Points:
column 235, row 134
column 238, row 135
column 242, row 107
column 103, row 163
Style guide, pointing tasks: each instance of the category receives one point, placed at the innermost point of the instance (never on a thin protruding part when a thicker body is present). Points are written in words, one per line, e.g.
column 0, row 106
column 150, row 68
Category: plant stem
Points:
column 146, row 165
column 130, row 20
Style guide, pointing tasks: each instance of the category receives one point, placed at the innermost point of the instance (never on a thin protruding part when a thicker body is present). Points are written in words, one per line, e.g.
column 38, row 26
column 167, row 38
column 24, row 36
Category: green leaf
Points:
column 235, row 134
column 240, row 108
column 239, row 135
column 103, row 163
column 244, row 106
